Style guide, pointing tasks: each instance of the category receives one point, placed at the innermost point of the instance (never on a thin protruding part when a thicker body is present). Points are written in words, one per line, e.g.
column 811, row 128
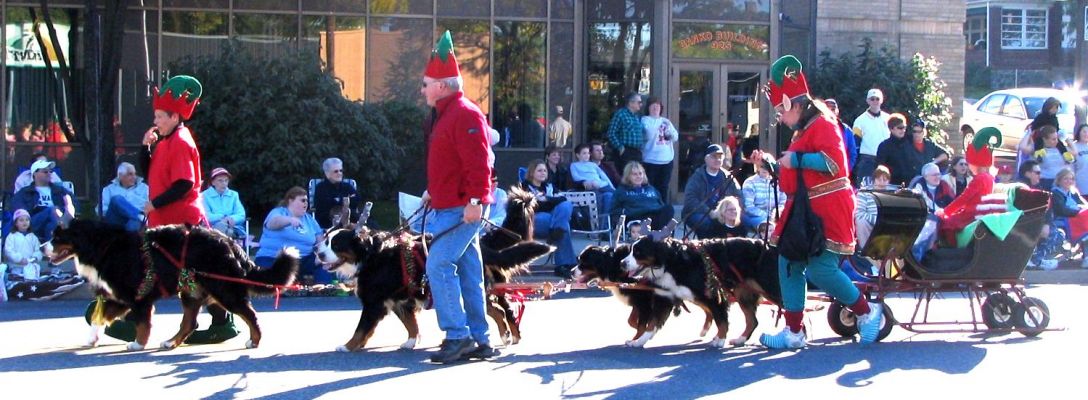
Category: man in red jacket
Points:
column 459, row 169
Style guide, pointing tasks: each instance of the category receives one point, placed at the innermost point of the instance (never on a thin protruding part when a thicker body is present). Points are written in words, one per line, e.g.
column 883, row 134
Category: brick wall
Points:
column 931, row 27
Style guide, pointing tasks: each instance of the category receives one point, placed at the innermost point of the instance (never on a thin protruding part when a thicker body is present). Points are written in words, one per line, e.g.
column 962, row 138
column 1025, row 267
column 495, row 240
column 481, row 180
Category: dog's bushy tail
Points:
column 282, row 272
column 516, row 256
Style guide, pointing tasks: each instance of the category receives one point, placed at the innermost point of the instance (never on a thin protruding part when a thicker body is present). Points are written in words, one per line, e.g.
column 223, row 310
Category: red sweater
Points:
column 175, row 158
column 459, row 161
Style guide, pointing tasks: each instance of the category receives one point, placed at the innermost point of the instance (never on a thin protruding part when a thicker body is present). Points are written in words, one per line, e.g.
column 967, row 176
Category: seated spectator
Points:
column 47, row 202
column 124, row 198
column 638, row 199
column 865, row 211
column 760, row 197
column 333, row 191
column 1070, row 211
column 26, row 178
column 497, row 211
column 22, row 250
column 289, row 225
column 1004, row 175
column 938, row 193
column 558, row 173
column 590, row 175
column 634, row 231
column 553, row 215
column 959, row 175
column 611, row 170
column 706, row 187
column 1031, row 174
column 727, row 212
column 223, row 207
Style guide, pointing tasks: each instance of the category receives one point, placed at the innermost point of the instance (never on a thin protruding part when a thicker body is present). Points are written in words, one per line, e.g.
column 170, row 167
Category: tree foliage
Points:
column 271, row 121
column 912, row 87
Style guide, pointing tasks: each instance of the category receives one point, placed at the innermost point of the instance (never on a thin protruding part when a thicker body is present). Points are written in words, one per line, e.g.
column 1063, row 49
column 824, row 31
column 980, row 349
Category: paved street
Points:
column 572, row 347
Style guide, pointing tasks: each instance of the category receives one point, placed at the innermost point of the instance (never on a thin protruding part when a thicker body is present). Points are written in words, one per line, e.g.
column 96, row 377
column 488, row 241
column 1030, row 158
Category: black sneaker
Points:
column 452, row 350
column 482, row 352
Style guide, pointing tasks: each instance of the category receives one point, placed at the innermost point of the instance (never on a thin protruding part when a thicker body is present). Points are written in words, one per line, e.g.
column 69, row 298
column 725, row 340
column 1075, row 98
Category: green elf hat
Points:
column 981, row 151
column 180, row 94
column 787, row 81
column 442, row 64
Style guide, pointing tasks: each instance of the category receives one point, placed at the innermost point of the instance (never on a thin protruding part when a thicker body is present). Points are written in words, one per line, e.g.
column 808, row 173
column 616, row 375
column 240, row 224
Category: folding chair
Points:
column 589, row 199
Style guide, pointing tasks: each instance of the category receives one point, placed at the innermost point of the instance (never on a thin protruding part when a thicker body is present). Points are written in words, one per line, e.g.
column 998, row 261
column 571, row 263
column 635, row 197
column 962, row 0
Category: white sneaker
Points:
column 786, row 339
column 1032, row 264
column 1049, row 265
column 869, row 324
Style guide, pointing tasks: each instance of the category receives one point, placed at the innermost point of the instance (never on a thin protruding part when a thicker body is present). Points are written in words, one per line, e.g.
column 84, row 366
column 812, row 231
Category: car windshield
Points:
column 1034, row 104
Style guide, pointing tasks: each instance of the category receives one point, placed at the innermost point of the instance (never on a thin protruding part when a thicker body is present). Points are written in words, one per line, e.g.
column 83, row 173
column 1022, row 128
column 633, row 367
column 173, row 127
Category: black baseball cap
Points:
column 713, row 149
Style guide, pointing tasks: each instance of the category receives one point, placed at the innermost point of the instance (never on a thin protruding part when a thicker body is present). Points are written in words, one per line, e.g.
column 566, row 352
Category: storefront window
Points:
column 518, row 76
column 464, row 8
column 561, row 80
column 563, row 9
column 340, row 41
column 521, row 8
column 472, row 47
column 421, row 7
column 396, row 57
column 620, row 57
column 193, row 3
column 267, row 35
column 722, row 10
column 352, row 6
column 619, row 9
column 275, row 5
column 720, row 41
column 192, row 33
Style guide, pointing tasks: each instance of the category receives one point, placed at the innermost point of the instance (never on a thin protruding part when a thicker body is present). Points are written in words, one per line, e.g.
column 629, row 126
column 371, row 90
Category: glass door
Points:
column 709, row 101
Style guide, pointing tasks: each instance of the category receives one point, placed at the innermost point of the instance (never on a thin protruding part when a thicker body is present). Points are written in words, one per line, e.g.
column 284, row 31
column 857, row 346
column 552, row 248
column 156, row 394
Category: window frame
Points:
column 1014, row 101
column 975, row 34
column 982, row 106
column 1023, row 28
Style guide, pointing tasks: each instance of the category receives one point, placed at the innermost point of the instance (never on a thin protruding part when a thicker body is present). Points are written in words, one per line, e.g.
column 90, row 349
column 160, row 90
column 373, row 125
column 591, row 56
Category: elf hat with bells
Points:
column 980, row 152
column 787, row 82
column 442, row 63
column 179, row 94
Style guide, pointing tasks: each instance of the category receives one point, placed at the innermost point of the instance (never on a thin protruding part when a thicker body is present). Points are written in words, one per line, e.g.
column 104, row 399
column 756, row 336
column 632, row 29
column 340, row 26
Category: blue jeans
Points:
column 43, row 222
column 557, row 218
column 824, row 272
column 604, row 205
column 307, row 265
column 456, row 273
column 123, row 213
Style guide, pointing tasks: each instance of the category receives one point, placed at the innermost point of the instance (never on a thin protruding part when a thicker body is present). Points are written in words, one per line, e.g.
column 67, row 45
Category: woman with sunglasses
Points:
column 958, row 175
column 289, row 225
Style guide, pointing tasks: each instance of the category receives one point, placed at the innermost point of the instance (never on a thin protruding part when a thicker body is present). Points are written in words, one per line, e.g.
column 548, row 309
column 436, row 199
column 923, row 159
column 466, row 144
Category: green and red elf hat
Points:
column 980, row 152
column 179, row 94
column 442, row 64
column 787, row 81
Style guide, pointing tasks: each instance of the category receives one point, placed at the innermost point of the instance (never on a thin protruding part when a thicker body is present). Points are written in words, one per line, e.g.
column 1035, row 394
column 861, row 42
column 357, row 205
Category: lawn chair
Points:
column 597, row 231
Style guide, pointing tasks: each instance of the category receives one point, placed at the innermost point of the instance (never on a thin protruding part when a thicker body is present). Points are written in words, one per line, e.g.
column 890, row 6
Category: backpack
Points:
column 802, row 236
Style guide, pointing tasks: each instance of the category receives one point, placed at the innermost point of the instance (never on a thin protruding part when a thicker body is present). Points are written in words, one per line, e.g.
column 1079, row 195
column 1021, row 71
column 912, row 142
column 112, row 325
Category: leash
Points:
column 180, row 264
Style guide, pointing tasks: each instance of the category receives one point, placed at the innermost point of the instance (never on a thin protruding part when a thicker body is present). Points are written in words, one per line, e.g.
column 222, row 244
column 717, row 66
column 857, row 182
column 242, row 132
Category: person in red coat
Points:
column 962, row 211
column 459, row 169
column 818, row 153
column 173, row 174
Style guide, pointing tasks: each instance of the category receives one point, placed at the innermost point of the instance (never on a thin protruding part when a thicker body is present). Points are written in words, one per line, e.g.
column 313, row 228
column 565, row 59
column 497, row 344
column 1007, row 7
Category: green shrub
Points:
column 911, row 87
column 272, row 121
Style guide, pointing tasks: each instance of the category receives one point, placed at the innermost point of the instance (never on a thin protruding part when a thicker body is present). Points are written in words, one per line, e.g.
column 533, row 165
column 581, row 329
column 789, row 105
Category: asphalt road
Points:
column 572, row 348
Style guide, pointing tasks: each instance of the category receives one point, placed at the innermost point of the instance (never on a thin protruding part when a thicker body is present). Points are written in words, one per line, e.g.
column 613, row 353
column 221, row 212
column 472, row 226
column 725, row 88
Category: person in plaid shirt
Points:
column 625, row 131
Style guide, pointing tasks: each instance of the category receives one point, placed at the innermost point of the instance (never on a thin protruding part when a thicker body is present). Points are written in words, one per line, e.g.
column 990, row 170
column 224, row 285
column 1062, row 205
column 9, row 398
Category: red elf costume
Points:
column 963, row 210
column 174, row 172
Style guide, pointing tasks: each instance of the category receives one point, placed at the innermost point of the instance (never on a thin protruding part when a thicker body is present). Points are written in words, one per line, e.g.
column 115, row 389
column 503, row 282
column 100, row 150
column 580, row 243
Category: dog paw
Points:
column 134, row 346
column 515, row 339
column 92, row 338
column 632, row 343
column 168, row 345
column 409, row 344
column 250, row 344
column 343, row 349
column 739, row 341
column 703, row 332
column 717, row 343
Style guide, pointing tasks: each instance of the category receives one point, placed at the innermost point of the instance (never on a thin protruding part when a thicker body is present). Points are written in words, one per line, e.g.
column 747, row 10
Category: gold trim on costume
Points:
column 833, row 185
column 832, row 168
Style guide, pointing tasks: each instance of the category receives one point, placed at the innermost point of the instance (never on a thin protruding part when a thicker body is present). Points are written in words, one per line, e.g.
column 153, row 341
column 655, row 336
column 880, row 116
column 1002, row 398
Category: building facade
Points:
column 526, row 63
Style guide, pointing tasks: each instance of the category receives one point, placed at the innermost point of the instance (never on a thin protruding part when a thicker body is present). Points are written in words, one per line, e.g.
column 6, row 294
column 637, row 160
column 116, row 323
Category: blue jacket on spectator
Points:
column 136, row 195
column 218, row 206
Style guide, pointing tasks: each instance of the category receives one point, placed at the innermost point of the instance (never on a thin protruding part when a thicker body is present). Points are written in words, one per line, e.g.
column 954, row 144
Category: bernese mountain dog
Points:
column 134, row 270
column 649, row 310
column 389, row 270
column 709, row 273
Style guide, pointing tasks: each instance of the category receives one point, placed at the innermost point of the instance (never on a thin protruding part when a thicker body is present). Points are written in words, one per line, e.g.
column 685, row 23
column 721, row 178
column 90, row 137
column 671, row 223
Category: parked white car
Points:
column 1012, row 110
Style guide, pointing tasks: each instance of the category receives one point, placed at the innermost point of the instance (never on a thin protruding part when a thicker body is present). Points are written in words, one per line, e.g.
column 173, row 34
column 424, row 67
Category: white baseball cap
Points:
column 874, row 92
column 494, row 136
column 41, row 164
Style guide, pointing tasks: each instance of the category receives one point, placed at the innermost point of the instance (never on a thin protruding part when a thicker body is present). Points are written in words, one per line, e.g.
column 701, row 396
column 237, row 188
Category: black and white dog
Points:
column 709, row 273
